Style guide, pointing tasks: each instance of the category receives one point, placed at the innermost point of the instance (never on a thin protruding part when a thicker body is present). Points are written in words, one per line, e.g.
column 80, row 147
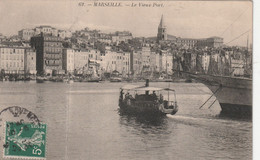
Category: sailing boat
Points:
column 94, row 77
column 233, row 93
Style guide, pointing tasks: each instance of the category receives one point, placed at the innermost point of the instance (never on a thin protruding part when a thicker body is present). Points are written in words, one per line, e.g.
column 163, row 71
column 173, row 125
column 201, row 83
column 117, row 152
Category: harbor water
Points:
column 83, row 122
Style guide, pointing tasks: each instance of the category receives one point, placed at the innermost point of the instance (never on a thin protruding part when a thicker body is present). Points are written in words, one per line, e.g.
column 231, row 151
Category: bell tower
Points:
column 162, row 31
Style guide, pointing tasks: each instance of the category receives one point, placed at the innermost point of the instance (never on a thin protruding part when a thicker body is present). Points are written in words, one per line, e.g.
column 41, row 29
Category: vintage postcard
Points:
column 119, row 80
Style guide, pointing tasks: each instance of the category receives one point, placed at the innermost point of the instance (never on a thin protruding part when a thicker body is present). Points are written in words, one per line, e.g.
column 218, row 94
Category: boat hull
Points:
column 94, row 80
column 115, row 79
column 39, row 80
column 236, row 109
column 234, row 94
column 147, row 109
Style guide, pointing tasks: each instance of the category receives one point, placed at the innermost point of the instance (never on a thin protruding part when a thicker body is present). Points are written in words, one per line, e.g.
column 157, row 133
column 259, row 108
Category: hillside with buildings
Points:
column 45, row 50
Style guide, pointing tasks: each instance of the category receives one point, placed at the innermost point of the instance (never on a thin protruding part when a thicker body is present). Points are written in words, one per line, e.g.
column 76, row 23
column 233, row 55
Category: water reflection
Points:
column 143, row 119
column 147, row 137
column 145, row 124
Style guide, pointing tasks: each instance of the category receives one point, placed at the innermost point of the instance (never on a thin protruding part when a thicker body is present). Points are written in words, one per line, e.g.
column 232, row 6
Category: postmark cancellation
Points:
column 23, row 135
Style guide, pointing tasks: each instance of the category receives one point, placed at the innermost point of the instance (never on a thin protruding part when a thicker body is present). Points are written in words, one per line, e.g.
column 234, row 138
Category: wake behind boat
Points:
column 146, row 103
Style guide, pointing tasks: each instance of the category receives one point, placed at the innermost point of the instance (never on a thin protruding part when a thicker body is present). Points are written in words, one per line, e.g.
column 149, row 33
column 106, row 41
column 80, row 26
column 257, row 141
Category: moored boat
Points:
column 70, row 81
column 233, row 93
column 115, row 79
column 93, row 80
column 40, row 79
column 146, row 103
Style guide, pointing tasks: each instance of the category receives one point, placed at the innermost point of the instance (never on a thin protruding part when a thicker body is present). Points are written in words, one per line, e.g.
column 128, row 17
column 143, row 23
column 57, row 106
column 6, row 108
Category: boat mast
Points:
column 246, row 52
column 166, row 65
column 168, row 90
column 230, row 62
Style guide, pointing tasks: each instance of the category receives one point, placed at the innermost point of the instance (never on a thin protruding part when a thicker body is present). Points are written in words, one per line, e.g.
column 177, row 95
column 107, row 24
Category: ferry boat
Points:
column 115, row 77
column 146, row 102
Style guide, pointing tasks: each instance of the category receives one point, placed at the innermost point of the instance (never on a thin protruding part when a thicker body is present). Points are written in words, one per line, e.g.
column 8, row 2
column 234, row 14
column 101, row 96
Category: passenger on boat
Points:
column 165, row 104
column 127, row 95
column 161, row 98
column 121, row 94
column 154, row 97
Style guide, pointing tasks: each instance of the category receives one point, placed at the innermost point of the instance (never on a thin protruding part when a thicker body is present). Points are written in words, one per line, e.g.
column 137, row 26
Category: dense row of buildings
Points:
column 42, row 50
column 17, row 60
column 26, row 34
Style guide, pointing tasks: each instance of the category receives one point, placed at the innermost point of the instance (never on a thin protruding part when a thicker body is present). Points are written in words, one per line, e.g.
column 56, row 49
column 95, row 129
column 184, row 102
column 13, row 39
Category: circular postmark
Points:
column 22, row 134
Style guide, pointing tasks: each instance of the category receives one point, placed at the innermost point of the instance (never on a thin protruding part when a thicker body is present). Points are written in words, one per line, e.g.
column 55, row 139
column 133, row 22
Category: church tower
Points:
column 162, row 31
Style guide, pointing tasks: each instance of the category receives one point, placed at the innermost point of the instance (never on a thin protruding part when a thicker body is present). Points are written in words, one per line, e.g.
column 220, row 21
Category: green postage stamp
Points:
column 25, row 140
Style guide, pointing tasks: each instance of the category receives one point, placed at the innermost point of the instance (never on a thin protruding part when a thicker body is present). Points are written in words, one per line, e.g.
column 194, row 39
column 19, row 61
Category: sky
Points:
column 187, row 19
